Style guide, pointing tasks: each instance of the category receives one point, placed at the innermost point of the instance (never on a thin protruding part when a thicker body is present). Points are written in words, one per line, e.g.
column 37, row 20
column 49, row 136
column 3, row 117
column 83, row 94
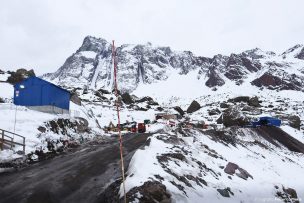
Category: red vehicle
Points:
column 133, row 128
column 141, row 127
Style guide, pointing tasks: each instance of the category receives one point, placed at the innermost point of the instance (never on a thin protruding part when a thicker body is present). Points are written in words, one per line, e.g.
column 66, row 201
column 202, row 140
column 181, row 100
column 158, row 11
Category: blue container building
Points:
column 38, row 94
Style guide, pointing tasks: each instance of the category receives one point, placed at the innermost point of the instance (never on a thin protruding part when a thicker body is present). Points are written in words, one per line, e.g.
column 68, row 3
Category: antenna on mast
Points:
column 118, row 118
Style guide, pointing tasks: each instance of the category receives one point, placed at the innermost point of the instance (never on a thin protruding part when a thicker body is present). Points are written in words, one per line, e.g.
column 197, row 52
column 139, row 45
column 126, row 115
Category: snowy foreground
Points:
column 182, row 164
column 191, row 163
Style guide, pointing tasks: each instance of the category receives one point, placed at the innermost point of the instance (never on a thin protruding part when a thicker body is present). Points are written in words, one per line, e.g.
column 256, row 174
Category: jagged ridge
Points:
column 91, row 66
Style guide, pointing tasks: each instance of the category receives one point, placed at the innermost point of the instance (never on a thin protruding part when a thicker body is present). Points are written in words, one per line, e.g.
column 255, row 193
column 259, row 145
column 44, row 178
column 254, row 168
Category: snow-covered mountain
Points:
column 226, row 162
column 91, row 66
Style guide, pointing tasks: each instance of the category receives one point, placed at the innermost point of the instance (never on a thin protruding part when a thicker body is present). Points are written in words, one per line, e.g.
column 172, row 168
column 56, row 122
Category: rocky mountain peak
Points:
column 300, row 55
column 294, row 51
column 91, row 66
column 94, row 44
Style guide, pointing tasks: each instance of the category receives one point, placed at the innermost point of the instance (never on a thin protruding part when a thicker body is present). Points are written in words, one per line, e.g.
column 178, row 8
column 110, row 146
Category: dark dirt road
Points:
column 80, row 176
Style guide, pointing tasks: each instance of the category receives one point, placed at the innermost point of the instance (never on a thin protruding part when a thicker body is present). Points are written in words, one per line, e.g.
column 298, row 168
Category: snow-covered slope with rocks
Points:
column 233, row 165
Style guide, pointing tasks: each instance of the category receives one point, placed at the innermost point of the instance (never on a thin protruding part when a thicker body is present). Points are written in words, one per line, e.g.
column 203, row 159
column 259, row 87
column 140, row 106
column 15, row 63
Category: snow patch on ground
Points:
column 6, row 90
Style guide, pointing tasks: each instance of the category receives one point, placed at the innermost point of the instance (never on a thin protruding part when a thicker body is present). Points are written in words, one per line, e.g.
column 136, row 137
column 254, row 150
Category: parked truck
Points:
column 141, row 127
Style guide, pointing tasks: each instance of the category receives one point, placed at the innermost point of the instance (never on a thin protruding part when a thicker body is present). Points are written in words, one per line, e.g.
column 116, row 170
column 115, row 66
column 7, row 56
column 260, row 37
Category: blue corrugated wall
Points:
column 37, row 92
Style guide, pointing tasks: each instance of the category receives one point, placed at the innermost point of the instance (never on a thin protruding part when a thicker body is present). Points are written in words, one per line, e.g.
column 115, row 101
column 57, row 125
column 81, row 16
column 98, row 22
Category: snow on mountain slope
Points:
column 294, row 52
column 140, row 65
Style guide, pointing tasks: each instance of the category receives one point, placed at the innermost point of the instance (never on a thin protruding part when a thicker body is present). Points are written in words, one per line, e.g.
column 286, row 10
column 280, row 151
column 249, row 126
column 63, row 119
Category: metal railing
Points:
column 8, row 139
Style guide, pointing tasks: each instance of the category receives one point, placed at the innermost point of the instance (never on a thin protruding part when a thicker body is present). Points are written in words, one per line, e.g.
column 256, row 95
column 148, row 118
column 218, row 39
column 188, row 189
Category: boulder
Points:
column 127, row 99
column 194, row 106
column 145, row 99
column 254, row 101
column 213, row 112
column 287, row 194
column 82, row 125
column 230, row 168
column 42, row 129
column 1, row 100
column 153, row 103
column 225, row 192
column 75, row 99
column 239, row 99
column 150, row 191
column 220, row 120
column 234, row 117
column 291, row 192
column 294, row 121
column 101, row 97
column 103, row 91
column 243, row 174
column 159, row 108
column 179, row 110
column 224, row 105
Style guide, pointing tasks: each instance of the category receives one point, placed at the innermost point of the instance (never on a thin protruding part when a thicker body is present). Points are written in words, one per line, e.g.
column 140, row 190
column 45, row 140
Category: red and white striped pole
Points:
column 118, row 117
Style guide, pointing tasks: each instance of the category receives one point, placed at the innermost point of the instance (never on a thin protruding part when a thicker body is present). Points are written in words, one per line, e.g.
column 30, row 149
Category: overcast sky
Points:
column 41, row 34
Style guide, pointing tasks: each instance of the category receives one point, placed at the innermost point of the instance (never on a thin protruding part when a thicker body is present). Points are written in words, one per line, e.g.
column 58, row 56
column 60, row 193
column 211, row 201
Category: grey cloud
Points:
column 42, row 34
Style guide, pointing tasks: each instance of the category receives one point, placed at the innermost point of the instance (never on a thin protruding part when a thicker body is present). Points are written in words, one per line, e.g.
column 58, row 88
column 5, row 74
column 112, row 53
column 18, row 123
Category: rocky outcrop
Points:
column 254, row 101
column 19, row 75
column 301, row 54
column 213, row 112
column 239, row 65
column 194, row 106
column 239, row 99
column 290, row 82
column 294, row 121
column 225, row 192
column 231, row 169
column 233, row 117
column 75, row 99
column 179, row 110
column 287, row 194
column 150, row 191
column 224, row 105
column 251, row 101
column 65, row 126
column 126, row 98
column 214, row 79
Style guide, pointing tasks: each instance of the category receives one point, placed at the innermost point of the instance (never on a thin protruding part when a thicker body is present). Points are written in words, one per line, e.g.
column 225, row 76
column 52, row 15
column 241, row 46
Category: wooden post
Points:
column 2, row 140
column 12, row 143
column 24, row 145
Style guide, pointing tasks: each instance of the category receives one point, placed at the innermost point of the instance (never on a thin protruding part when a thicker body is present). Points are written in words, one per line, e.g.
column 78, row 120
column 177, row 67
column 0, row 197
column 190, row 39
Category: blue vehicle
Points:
column 267, row 121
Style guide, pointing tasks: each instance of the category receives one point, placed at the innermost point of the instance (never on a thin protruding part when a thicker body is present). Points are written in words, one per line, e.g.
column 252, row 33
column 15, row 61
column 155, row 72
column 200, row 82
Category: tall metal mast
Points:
column 118, row 117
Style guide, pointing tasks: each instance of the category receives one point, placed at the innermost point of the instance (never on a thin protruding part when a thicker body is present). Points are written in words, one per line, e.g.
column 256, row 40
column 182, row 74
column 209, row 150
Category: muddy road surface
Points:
column 79, row 176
